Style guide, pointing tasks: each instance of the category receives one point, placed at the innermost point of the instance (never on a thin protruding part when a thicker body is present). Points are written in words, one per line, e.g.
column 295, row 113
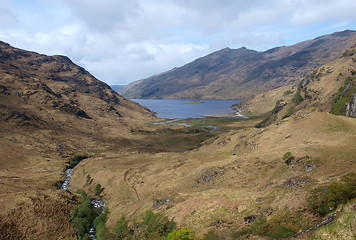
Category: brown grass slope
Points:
column 50, row 110
column 240, row 173
column 318, row 90
column 241, row 73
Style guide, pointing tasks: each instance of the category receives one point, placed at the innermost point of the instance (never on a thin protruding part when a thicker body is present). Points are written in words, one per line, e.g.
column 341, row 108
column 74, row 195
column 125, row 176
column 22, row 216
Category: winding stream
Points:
column 96, row 203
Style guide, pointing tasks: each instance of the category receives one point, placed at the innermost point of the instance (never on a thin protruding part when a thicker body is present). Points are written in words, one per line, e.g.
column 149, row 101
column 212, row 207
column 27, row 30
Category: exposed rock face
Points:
column 240, row 73
column 351, row 106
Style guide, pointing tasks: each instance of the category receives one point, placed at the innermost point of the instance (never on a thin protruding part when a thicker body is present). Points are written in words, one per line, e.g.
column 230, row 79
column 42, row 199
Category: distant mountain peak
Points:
column 240, row 73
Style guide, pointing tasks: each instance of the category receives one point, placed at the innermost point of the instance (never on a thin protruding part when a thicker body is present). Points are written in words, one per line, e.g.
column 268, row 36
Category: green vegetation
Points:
column 263, row 123
column 88, row 179
column 211, row 235
column 297, row 98
column 343, row 227
column 152, row 226
column 221, row 123
column 324, row 200
column 287, row 155
column 279, row 226
column 344, row 95
column 85, row 215
column 76, row 159
column 156, row 225
column 121, row 229
column 181, row 234
column 278, row 107
column 98, row 189
column 287, row 92
column 289, row 112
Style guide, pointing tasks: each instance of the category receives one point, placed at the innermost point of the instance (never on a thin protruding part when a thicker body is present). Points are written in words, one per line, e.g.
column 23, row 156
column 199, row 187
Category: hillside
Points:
column 242, row 73
column 252, row 179
column 329, row 88
column 50, row 111
column 248, row 182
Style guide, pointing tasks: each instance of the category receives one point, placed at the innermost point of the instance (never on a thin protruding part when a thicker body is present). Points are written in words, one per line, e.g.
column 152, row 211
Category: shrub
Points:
column 98, row 189
column 76, row 159
column 297, row 98
column 182, row 234
column 342, row 97
column 153, row 224
column 83, row 216
column 323, row 200
column 281, row 225
column 121, row 230
column 88, row 178
column 287, row 92
column 289, row 112
column 287, row 155
column 263, row 123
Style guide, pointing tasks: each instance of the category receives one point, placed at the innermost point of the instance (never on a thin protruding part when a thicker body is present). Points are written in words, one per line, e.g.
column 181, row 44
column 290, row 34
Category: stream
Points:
column 96, row 203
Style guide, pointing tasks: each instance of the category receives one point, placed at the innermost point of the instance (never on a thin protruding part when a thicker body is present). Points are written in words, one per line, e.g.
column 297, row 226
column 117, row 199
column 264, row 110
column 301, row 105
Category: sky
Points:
column 120, row 41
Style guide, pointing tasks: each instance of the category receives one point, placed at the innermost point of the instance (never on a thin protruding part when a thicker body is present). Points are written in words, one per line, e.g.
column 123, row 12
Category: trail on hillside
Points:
column 129, row 185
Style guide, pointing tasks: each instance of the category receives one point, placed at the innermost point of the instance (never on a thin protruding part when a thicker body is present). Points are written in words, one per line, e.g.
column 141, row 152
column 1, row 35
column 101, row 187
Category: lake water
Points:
column 176, row 108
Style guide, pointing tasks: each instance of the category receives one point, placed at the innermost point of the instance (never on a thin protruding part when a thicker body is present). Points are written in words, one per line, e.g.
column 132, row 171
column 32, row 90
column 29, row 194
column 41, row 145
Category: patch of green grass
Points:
column 280, row 226
column 297, row 98
column 287, row 92
column 324, row 200
column 98, row 189
column 343, row 227
column 263, row 123
column 287, row 155
column 343, row 97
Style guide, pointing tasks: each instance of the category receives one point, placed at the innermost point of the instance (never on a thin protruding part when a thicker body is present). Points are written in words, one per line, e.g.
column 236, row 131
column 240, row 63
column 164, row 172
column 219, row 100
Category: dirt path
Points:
column 129, row 185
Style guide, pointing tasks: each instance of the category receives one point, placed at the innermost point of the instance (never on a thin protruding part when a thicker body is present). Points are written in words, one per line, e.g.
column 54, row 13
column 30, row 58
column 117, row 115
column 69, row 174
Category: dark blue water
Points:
column 176, row 108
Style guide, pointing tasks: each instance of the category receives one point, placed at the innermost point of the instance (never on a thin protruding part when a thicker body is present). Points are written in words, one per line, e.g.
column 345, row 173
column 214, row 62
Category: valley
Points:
column 252, row 178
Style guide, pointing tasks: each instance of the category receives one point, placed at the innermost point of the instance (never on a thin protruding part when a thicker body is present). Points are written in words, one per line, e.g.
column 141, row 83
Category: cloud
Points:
column 8, row 14
column 120, row 41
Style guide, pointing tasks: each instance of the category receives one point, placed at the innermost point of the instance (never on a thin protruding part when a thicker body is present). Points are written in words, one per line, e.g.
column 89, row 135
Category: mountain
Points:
column 241, row 73
column 117, row 88
column 267, row 177
column 50, row 111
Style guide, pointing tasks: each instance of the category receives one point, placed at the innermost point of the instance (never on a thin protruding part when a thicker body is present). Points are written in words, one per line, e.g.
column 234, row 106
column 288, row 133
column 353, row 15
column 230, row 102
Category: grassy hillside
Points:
column 247, row 182
column 51, row 110
column 289, row 166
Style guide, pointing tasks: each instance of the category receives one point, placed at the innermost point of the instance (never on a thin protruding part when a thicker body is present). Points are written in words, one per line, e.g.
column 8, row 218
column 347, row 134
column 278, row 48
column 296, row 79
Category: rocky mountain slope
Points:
column 241, row 73
column 253, row 180
column 329, row 88
column 250, row 182
column 51, row 110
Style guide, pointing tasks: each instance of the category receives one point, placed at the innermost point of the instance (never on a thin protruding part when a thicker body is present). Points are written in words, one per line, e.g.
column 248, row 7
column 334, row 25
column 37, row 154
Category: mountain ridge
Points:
column 241, row 73
column 50, row 111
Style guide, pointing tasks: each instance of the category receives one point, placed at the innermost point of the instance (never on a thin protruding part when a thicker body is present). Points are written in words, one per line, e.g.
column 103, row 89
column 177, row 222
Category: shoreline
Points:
column 235, row 114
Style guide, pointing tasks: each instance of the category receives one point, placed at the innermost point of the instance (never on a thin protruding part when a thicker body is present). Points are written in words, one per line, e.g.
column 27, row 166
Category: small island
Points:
column 195, row 101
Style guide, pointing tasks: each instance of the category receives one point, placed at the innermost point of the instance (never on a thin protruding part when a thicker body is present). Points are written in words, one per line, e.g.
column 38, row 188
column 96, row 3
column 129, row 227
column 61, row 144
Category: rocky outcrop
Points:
column 350, row 107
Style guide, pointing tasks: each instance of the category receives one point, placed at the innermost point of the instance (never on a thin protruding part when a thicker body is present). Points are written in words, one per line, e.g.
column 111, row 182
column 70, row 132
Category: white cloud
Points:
column 121, row 41
column 8, row 14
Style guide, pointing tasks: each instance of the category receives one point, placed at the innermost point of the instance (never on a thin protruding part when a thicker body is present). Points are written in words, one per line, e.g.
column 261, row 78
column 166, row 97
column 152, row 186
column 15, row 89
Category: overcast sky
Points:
column 120, row 41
